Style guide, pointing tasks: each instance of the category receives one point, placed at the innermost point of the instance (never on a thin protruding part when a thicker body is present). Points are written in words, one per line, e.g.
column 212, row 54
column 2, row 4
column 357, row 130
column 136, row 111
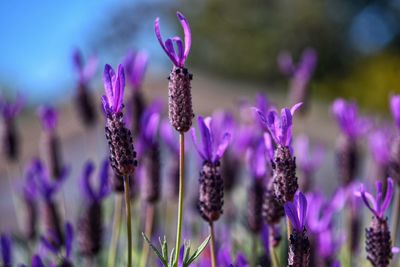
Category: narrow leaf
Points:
column 164, row 248
column 199, row 250
column 172, row 262
column 164, row 261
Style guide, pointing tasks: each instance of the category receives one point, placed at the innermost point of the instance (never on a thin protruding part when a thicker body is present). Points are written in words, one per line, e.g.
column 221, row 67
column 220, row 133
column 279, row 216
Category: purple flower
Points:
column 379, row 204
column 285, row 63
column 178, row 57
column 280, row 128
column 308, row 160
column 211, row 149
column 5, row 242
column 395, row 108
column 135, row 64
column 37, row 261
column 380, row 145
column 348, row 119
column 87, row 187
column 10, row 109
column 47, row 186
column 56, row 248
column 149, row 124
column 296, row 211
column 257, row 161
column 49, row 117
column 85, row 72
column 225, row 260
column 114, row 85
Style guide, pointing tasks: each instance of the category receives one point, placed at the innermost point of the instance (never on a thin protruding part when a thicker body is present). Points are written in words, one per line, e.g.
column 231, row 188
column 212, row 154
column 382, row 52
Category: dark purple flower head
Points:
column 85, row 72
column 49, row 117
column 5, row 242
column 211, row 149
column 47, row 186
column 380, row 142
column 37, row 261
column 69, row 237
column 280, row 128
column 178, row 57
column 256, row 160
column 114, row 85
column 90, row 193
column 135, row 64
column 296, row 211
column 9, row 109
column 348, row 119
column 395, row 108
column 309, row 160
column 379, row 204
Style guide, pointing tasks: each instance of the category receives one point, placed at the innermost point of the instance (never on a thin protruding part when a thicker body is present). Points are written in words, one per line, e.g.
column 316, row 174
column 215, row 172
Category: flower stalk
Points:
column 116, row 230
column 128, row 219
column 212, row 246
column 181, row 194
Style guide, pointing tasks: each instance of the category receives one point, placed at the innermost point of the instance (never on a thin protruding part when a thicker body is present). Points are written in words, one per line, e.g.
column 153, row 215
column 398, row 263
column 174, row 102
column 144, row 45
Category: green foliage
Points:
column 169, row 261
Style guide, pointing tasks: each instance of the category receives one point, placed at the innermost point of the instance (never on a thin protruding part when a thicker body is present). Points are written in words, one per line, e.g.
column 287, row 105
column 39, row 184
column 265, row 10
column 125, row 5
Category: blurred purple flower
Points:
column 85, row 72
column 348, row 119
column 169, row 137
column 395, row 108
column 178, row 57
column 379, row 204
column 380, row 145
column 135, row 64
column 211, row 149
column 5, row 242
column 37, row 261
column 257, row 161
column 10, row 109
column 56, row 248
column 285, row 63
column 48, row 117
column 280, row 128
column 114, row 85
column 104, row 189
column 225, row 260
column 309, row 160
column 296, row 211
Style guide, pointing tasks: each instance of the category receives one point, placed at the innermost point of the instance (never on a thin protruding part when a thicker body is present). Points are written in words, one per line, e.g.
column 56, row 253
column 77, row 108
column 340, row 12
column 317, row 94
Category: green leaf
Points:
column 172, row 262
column 164, row 248
column 199, row 250
column 187, row 254
column 164, row 261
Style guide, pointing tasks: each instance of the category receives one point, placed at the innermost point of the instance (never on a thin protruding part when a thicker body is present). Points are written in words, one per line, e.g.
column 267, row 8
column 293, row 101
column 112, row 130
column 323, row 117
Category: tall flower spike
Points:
column 90, row 227
column 299, row 246
column 377, row 236
column 180, row 96
column 122, row 154
column 211, row 183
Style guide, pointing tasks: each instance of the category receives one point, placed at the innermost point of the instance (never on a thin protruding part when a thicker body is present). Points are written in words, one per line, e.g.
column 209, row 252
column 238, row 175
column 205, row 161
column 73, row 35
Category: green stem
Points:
column 181, row 194
column 116, row 227
column 272, row 251
column 148, row 231
column 212, row 246
column 289, row 227
column 128, row 219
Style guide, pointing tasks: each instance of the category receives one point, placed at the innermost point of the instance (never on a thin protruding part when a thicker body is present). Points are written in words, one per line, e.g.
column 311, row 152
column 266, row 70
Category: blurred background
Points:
column 234, row 55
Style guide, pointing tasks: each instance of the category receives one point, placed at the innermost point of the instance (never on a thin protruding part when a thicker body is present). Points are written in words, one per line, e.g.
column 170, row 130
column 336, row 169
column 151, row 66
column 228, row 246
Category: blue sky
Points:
column 37, row 40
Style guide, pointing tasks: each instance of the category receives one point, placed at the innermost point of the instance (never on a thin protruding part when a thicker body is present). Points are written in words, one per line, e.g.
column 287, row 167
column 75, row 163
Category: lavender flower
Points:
column 300, row 75
column 6, row 253
column 56, row 248
column 394, row 165
column 225, row 259
column 50, row 142
column 90, row 226
column 309, row 160
column 299, row 246
column 256, row 162
column 11, row 141
column 135, row 64
column 48, row 188
column 180, row 99
column 380, row 143
column 84, row 102
column 284, row 164
column 211, row 183
column 149, row 149
column 122, row 154
column 377, row 236
column 37, row 261
column 352, row 127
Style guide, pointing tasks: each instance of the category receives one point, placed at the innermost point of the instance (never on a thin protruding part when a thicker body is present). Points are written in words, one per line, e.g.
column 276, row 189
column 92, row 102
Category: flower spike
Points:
column 114, row 85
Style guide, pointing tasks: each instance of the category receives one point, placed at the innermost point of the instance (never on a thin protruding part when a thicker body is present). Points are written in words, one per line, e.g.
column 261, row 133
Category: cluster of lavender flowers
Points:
column 257, row 199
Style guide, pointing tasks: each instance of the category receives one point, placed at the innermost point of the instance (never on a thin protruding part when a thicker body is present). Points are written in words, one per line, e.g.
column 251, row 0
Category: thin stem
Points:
column 116, row 229
column 289, row 227
column 212, row 246
column 148, row 231
column 128, row 219
column 181, row 194
column 272, row 251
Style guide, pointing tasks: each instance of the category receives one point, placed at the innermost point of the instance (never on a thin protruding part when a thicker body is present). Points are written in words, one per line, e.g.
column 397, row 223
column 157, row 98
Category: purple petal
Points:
column 48, row 117
column 367, row 198
column 163, row 46
column 222, row 146
column 269, row 146
column 389, row 194
column 205, row 138
column 286, row 124
column 108, row 75
column 379, row 193
column 5, row 242
column 395, row 108
column 196, row 144
column 302, row 206
column 69, row 236
column 295, row 108
column 179, row 44
column 273, row 125
column 261, row 117
column 104, row 177
column 121, row 88
column 37, row 261
column 171, row 52
column 291, row 213
column 187, row 36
